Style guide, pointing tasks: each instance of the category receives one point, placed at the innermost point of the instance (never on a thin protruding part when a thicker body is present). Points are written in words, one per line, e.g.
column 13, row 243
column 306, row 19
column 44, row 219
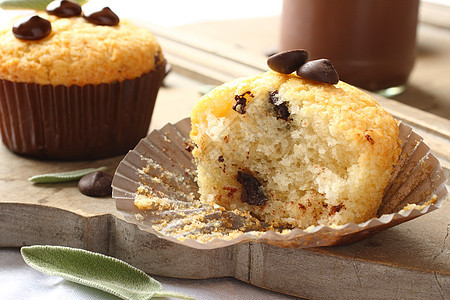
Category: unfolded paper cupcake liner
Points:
column 159, row 177
column 77, row 122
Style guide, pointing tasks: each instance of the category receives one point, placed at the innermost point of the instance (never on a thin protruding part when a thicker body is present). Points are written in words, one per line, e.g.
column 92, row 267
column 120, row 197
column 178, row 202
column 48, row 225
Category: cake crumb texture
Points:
column 78, row 53
column 312, row 153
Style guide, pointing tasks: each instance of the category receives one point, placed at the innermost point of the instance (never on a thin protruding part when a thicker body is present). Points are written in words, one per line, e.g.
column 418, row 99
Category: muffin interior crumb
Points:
column 323, row 154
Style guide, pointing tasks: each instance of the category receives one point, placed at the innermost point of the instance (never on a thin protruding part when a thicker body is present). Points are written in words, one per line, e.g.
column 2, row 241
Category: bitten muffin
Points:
column 86, row 90
column 293, row 152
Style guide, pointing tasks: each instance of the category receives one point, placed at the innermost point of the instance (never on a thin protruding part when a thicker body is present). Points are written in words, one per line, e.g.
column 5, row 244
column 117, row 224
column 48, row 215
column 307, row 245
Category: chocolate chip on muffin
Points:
column 321, row 70
column 281, row 109
column 32, row 28
column 252, row 192
column 63, row 9
column 288, row 61
column 241, row 102
column 104, row 17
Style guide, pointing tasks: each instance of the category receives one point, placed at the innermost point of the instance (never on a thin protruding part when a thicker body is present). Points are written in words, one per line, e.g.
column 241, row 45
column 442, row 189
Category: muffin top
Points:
column 77, row 52
column 345, row 109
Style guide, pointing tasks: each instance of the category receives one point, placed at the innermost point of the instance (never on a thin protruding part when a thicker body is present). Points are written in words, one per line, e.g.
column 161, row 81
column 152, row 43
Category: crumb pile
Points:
column 293, row 152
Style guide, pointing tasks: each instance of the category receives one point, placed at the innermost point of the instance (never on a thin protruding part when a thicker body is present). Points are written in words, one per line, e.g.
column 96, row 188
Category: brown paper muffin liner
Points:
column 161, row 170
column 77, row 122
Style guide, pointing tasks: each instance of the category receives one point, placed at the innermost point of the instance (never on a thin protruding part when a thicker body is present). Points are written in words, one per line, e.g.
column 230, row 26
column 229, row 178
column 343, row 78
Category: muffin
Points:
column 76, row 85
column 293, row 151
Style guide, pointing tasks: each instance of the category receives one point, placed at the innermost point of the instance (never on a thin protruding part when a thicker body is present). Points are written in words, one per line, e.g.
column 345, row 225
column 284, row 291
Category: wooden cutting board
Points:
column 413, row 256
column 408, row 261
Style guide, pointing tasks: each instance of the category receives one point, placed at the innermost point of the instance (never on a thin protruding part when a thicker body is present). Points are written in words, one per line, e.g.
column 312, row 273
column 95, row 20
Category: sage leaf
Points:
column 30, row 4
column 63, row 176
column 95, row 270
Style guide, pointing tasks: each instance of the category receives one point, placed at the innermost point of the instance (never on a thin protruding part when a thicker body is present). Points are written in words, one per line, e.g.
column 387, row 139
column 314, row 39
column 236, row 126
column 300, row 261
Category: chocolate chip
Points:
column 241, row 103
column 321, row 70
column 189, row 146
column 104, row 17
column 252, row 192
column 220, row 158
column 370, row 139
column 288, row 61
column 32, row 28
column 281, row 109
column 63, row 9
column 335, row 209
column 96, row 184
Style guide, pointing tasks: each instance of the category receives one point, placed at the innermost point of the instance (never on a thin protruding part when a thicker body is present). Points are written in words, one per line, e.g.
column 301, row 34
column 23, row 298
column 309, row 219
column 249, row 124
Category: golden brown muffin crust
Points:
column 78, row 53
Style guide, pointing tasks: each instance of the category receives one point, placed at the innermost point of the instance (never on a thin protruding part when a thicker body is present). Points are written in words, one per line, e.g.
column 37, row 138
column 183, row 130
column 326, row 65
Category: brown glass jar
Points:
column 372, row 43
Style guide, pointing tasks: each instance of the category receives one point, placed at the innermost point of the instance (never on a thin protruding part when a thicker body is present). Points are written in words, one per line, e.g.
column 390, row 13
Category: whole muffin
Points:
column 86, row 90
column 293, row 152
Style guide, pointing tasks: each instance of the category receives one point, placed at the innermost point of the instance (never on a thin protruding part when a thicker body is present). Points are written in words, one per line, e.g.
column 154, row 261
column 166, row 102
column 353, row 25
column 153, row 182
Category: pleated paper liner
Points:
column 159, row 174
column 78, row 122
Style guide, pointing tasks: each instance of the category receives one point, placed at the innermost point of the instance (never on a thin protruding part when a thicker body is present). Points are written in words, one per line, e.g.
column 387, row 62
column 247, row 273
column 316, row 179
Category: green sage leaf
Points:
column 30, row 4
column 63, row 176
column 95, row 270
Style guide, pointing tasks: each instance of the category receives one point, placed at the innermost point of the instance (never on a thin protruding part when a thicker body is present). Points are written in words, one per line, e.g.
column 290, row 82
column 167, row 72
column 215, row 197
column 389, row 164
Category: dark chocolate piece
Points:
column 63, row 9
column 105, row 17
column 252, row 192
column 281, row 109
column 288, row 61
column 336, row 209
column 370, row 139
column 96, row 184
column 241, row 103
column 189, row 146
column 32, row 28
column 321, row 70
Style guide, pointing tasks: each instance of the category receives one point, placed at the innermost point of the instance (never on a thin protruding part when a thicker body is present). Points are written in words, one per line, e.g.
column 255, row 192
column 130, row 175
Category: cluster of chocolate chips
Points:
column 321, row 70
column 36, row 28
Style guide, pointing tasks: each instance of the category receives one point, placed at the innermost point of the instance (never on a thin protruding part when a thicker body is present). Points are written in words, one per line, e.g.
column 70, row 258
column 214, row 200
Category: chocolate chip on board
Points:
column 63, row 8
column 31, row 28
column 288, row 61
column 252, row 192
column 105, row 17
column 96, row 184
column 321, row 70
